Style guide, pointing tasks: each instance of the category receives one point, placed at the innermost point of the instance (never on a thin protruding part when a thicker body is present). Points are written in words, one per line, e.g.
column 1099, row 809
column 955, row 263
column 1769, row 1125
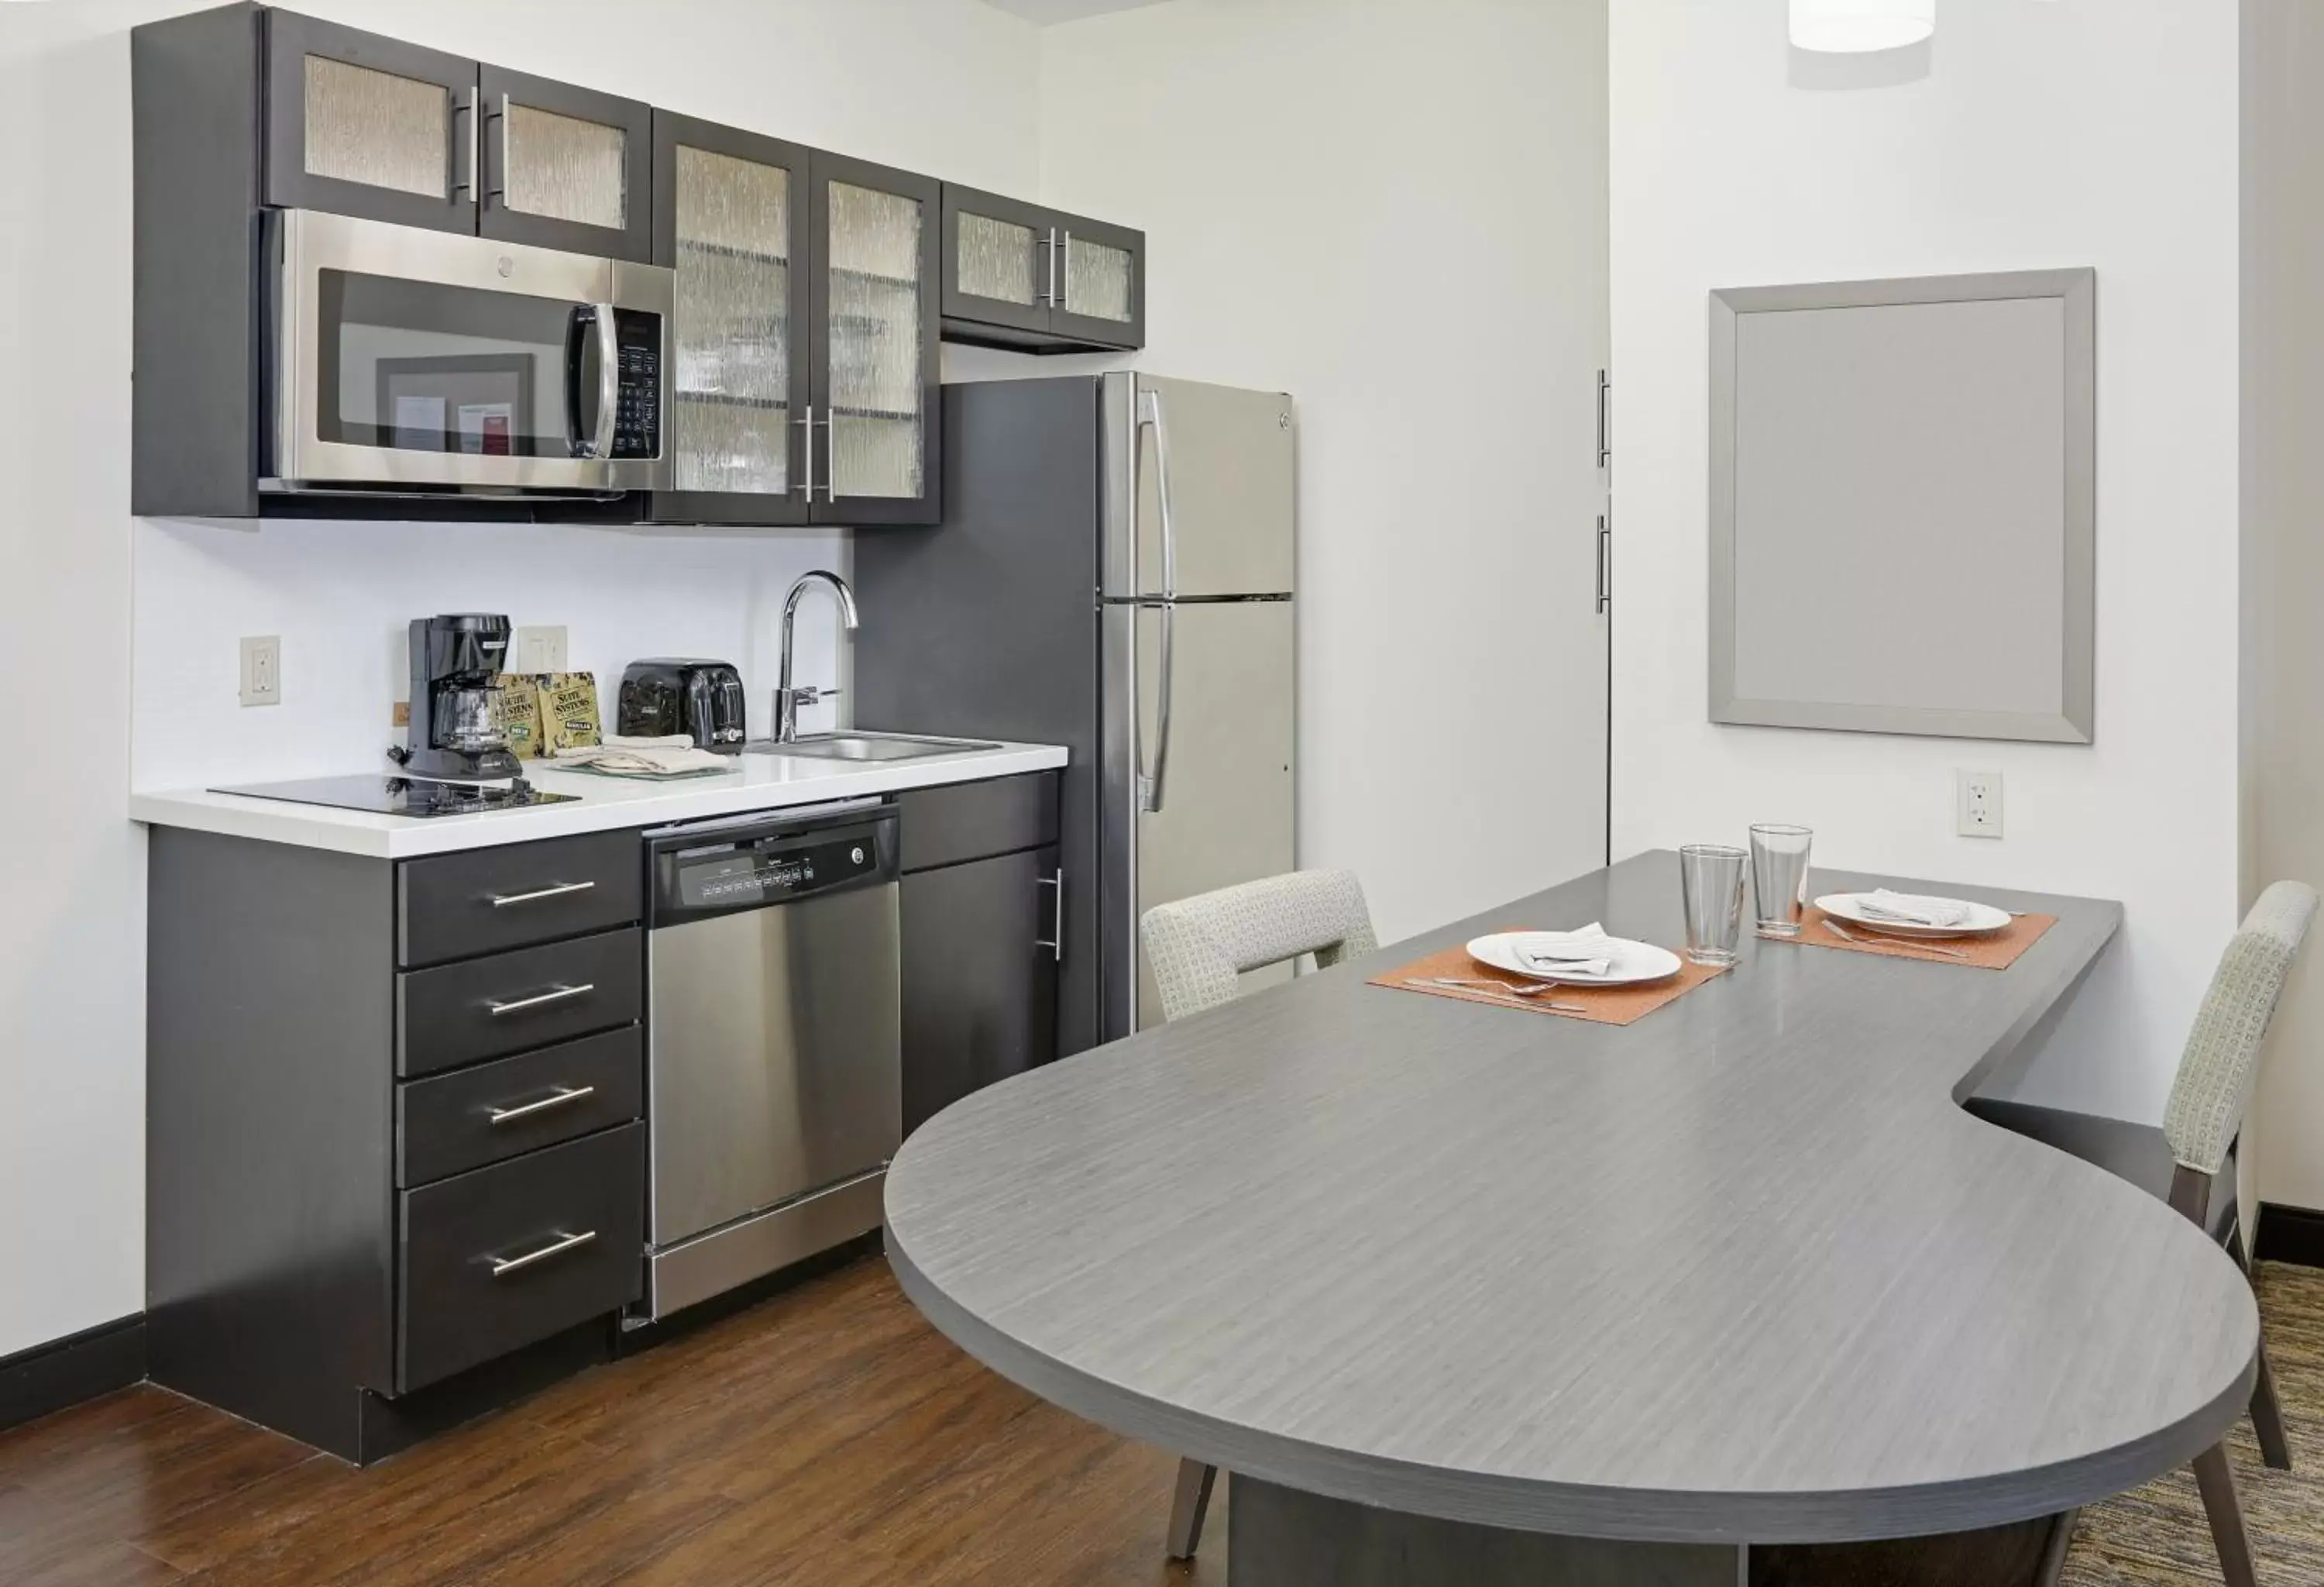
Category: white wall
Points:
column 2087, row 132
column 2282, row 508
column 1395, row 211
column 340, row 596
column 947, row 86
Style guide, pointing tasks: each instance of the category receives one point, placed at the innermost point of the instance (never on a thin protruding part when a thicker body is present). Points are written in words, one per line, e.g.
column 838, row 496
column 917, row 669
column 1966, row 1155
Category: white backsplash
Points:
column 340, row 596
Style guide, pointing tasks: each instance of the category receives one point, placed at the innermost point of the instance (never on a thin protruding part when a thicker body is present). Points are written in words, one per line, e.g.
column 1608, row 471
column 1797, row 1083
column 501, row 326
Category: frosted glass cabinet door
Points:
column 729, row 218
column 1101, row 284
column 358, row 125
column 565, row 167
column 878, row 254
column 998, row 267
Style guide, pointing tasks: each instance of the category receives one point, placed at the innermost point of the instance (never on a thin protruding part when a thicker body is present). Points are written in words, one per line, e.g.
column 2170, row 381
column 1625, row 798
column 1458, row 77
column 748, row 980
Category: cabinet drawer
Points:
column 488, row 1008
column 483, row 900
column 509, row 1254
column 975, row 820
column 510, row 1106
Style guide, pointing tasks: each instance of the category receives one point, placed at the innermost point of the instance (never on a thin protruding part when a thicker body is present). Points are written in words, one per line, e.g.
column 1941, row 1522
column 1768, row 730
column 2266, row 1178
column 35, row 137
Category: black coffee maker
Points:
column 455, row 665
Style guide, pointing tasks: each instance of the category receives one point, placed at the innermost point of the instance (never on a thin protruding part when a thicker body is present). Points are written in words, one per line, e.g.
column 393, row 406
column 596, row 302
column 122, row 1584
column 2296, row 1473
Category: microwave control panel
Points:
column 637, row 422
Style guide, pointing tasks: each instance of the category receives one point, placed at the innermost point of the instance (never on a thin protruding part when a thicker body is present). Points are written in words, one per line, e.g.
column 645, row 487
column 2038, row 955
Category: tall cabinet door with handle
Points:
column 359, row 125
column 730, row 219
column 981, row 959
column 565, row 167
column 873, row 435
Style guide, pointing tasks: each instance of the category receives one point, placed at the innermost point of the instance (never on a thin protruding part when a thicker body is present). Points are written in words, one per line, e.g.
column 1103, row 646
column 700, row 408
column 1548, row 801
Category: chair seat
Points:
column 2135, row 1152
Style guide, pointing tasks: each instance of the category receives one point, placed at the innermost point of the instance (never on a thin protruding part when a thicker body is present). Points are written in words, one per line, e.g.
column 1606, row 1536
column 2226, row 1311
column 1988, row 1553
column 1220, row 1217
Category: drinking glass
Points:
column 1710, row 888
column 1779, row 876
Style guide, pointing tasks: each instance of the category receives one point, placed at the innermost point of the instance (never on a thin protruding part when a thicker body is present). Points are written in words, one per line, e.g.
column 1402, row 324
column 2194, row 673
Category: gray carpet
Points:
column 2156, row 1537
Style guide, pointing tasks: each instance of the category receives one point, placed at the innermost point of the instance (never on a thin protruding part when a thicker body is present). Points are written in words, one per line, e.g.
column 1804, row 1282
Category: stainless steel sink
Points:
column 864, row 746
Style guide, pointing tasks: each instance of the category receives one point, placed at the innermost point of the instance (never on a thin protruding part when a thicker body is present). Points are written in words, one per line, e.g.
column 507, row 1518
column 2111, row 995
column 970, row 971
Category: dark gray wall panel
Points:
column 269, row 1062
column 987, row 625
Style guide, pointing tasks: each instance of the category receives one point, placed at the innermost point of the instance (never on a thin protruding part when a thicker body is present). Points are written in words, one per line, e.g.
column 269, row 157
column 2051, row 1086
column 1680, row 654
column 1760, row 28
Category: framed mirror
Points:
column 1904, row 505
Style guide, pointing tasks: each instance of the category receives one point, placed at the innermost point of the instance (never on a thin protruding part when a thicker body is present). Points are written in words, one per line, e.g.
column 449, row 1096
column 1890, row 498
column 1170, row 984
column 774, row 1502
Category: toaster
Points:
column 669, row 696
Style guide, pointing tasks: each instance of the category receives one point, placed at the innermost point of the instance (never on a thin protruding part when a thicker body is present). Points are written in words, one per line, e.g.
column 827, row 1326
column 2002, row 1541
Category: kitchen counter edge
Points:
column 606, row 804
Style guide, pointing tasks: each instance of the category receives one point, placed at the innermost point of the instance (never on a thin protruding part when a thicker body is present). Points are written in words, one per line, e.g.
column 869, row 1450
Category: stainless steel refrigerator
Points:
column 1114, row 573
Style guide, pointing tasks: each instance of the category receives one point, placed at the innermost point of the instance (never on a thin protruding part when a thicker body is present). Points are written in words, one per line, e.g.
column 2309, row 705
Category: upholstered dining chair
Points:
column 1199, row 949
column 2190, row 1161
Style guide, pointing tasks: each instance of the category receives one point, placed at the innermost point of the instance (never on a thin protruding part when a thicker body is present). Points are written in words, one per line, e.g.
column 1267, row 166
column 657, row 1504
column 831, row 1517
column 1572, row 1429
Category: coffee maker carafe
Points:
column 455, row 664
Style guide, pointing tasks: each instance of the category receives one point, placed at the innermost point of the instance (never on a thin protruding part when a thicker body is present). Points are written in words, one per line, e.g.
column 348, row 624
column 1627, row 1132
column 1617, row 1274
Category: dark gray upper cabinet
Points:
column 565, row 167
column 729, row 218
column 360, row 125
column 1035, row 280
column 873, row 332
column 805, row 351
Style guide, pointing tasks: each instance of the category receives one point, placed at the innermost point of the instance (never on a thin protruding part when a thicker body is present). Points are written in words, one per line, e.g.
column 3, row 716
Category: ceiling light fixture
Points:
column 1856, row 27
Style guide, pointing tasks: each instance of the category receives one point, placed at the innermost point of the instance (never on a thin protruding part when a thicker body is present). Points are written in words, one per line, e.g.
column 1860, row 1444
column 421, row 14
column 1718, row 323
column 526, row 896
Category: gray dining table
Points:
column 1734, row 1293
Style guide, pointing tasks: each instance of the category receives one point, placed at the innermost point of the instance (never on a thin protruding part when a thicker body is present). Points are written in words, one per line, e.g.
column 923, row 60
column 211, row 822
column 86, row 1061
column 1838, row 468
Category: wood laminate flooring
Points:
column 826, row 1436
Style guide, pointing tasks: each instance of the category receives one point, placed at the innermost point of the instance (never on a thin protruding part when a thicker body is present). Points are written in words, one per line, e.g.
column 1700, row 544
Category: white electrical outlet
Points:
column 1980, row 803
column 262, row 669
column 538, row 650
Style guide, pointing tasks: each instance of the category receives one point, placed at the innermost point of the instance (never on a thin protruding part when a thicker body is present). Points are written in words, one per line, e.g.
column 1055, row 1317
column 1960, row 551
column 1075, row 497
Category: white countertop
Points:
column 759, row 782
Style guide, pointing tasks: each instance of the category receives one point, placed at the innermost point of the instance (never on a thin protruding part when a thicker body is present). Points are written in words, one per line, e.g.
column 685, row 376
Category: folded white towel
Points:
column 1586, row 952
column 1913, row 910
column 674, row 756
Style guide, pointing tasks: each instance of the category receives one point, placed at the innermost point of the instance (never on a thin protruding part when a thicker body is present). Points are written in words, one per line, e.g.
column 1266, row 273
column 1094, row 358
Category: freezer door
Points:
column 1225, row 456
column 1226, row 813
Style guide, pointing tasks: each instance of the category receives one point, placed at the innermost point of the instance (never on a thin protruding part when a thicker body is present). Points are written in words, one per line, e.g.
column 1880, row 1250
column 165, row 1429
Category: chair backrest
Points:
column 2221, row 1063
column 1200, row 946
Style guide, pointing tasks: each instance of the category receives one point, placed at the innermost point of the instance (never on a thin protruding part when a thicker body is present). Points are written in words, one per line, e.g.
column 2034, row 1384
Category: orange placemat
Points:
column 1997, row 951
column 1602, row 1005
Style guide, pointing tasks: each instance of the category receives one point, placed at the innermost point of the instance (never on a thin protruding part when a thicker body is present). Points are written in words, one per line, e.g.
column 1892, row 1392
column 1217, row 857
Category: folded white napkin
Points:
column 1913, row 910
column 674, row 756
column 1586, row 952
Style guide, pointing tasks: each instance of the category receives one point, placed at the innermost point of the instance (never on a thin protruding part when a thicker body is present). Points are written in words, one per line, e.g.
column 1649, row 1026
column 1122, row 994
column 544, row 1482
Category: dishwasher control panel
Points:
column 778, row 863
column 769, row 871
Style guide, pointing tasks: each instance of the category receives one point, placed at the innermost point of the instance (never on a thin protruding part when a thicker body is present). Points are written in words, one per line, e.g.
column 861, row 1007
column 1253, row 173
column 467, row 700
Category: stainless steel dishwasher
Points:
column 774, row 1042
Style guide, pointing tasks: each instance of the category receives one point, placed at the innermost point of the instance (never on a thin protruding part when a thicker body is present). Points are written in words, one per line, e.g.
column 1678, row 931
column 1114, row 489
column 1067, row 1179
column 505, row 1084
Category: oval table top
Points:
column 1742, row 1270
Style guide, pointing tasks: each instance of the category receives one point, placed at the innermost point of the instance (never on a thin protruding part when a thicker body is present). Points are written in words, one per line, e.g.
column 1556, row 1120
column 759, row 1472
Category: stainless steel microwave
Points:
column 407, row 361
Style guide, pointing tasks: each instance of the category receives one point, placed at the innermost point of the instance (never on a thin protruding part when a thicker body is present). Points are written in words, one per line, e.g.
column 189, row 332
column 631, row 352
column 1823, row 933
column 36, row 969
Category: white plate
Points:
column 1632, row 962
column 1983, row 920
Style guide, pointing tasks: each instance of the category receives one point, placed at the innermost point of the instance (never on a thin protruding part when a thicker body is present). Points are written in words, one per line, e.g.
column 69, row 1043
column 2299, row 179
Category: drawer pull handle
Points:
column 541, row 998
column 557, row 1247
column 501, row 901
column 565, row 1094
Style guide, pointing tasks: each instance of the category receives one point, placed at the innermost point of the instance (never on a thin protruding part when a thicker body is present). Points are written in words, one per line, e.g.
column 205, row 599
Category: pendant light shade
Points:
column 1855, row 27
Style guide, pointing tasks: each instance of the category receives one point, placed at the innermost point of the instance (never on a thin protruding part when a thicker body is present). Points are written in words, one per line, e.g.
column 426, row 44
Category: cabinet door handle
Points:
column 1605, row 420
column 1050, row 249
column 473, row 110
column 565, row 1094
column 1055, row 941
column 541, row 998
column 557, row 1247
column 1064, row 288
column 501, row 901
column 500, row 116
column 1605, row 587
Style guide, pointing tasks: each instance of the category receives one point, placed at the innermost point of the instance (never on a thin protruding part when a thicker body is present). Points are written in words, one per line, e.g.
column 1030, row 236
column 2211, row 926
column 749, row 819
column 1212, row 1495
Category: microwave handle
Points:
column 609, row 380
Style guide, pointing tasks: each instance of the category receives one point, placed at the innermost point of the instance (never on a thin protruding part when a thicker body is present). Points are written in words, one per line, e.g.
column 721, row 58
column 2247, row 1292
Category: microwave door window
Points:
column 418, row 366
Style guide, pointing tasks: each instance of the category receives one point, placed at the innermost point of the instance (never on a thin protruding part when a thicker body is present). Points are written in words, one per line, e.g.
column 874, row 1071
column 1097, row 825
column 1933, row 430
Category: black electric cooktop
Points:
column 403, row 796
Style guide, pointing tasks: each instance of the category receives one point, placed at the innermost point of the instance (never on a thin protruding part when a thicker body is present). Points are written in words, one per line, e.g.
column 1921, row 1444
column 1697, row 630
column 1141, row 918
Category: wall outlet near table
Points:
column 262, row 669
column 538, row 650
column 1980, row 803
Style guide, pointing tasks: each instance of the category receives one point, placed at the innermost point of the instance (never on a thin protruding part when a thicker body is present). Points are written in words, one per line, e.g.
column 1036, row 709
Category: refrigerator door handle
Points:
column 1151, row 416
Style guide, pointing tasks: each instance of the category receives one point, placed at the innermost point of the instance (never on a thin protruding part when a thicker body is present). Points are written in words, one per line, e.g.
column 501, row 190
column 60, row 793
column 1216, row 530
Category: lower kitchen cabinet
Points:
column 982, row 899
column 389, row 1188
column 979, row 976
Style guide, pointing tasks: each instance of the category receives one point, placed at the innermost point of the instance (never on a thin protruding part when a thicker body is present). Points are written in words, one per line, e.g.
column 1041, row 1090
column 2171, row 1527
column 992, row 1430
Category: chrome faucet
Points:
column 787, row 700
